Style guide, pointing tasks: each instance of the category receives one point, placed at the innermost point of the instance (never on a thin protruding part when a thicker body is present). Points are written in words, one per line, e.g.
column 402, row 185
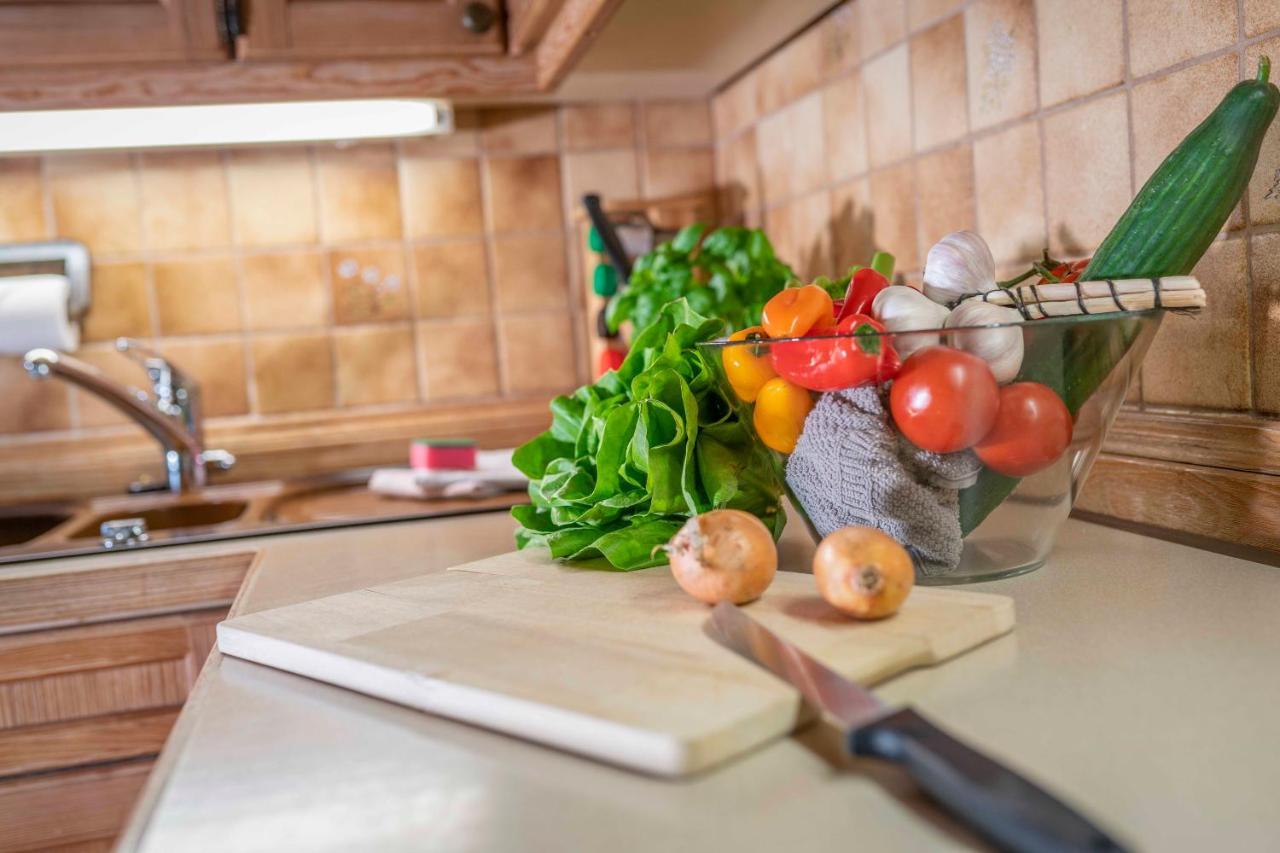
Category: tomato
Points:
column 1032, row 429
column 780, row 412
column 944, row 399
column 746, row 367
column 794, row 311
column 863, row 287
column 833, row 364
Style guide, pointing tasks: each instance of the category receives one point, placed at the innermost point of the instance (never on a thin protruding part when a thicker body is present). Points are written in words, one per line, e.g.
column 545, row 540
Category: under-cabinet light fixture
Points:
column 37, row 131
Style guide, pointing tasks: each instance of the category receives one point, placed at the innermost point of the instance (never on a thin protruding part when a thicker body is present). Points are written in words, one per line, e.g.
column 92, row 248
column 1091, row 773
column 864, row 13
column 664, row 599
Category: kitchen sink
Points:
column 182, row 516
column 22, row 525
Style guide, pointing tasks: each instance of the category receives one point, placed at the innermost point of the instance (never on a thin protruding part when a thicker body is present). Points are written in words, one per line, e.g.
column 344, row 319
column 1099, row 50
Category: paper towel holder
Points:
column 68, row 258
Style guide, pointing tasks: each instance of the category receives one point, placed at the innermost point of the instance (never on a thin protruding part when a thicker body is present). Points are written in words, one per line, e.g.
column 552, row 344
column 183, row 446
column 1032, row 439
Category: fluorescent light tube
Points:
column 220, row 124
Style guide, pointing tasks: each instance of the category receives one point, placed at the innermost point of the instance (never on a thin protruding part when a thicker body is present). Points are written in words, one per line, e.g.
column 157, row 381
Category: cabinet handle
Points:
column 478, row 18
column 230, row 27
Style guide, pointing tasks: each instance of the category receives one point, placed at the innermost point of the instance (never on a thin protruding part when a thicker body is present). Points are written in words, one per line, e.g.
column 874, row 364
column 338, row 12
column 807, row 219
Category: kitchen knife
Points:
column 1007, row 809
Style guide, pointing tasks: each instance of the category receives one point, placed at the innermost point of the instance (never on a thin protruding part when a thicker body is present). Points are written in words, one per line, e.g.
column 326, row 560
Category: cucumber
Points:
column 1182, row 207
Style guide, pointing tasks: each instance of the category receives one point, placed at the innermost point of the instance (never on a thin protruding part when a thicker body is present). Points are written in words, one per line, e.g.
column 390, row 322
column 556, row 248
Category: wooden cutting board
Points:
column 615, row 666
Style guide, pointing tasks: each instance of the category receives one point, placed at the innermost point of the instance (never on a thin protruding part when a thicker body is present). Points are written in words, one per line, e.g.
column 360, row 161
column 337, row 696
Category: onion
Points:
column 723, row 555
column 863, row 573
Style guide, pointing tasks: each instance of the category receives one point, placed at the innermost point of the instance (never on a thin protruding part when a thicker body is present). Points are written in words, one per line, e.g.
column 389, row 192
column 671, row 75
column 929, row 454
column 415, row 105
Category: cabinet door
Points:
column 335, row 29
column 73, row 32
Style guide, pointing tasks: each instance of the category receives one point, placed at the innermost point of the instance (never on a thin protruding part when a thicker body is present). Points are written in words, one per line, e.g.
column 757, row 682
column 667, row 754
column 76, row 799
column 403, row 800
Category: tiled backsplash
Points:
column 290, row 281
column 887, row 124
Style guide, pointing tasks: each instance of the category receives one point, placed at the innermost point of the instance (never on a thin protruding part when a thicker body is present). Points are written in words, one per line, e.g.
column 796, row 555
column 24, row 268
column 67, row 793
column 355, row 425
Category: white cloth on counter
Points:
column 851, row 466
column 493, row 475
column 34, row 313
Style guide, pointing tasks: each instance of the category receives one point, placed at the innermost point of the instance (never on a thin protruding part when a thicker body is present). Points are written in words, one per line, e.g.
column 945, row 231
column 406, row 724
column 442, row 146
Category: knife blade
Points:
column 1005, row 807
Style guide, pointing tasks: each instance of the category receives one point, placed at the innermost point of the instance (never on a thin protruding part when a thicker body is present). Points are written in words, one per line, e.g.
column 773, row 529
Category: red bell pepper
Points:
column 855, row 355
column 863, row 287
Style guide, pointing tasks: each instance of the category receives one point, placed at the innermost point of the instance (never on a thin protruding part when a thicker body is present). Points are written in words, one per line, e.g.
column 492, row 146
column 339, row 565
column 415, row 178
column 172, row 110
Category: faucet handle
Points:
column 173, row 389
column 223, row 459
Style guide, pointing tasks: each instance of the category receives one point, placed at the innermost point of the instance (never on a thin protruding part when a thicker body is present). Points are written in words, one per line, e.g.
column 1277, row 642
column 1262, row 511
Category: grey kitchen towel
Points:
column 851, row 466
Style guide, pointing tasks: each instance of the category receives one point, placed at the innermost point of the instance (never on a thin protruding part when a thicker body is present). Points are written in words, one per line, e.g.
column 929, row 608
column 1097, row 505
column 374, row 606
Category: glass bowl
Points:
column 1036, row 397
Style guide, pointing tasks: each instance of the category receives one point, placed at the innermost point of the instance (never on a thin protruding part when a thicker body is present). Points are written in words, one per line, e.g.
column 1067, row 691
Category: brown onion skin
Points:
column 723, row 555
column 863, row 573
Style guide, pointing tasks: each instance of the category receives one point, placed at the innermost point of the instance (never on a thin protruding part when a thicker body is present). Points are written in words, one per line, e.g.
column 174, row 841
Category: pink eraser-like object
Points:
column 454, row 454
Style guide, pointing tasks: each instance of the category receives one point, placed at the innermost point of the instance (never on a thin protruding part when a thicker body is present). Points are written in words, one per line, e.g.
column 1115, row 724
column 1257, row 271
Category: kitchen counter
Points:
column 1141, row 683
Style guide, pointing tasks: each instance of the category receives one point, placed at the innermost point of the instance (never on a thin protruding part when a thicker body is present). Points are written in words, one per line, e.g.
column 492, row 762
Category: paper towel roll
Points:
column 33, row 313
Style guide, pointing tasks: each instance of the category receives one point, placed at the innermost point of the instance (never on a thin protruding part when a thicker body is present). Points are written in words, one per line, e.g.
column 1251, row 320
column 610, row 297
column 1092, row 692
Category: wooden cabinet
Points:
column 63, row 32
column 85, row 708
column 328, row 29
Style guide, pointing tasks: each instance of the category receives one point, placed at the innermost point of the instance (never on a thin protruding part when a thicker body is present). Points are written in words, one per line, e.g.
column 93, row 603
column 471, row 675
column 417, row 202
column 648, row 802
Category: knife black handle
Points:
column 1007, row 809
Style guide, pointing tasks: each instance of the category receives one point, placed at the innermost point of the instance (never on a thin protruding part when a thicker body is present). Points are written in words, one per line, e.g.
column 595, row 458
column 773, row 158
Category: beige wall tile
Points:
column 218, row 366
column 677, row 171
column 273, row 197
column 31, row 406
column 463, row 142
column 1162, row 33
column 121, row 304
column 1165, row 109
column 21, row 200
column 792, row 71
column 1086, row 173
column 791, row 150
column 524, row 192
column 938, row 99
column 285, row 290
column 738, row 174
column 1260, row 16
column 921, row 13
column 841, row 46
column 450, row 279
column 92, row 410
column 587, row 127
column 1000, row 38
column 886, row 81
column 441, row 197
column 184, row 200
column 801, row 234
column 1081, row 47
column 1010, row 195
column 852, row 225
column 845, row 116
column 1264, row 186
column 359, row 192
column 1265, row 258
column 893, row 194
column 95, row 201
column 369, row 285
column 537, row 353
column 676, row 124
column 197, row 296
column 611, row 174
column 458, row 359
column 945, row 183
column 375, row 365
column 292, row 373
column 529, row 274
column 523, row 130
column 881, row 23
column 1203, row 360
column 737, row 106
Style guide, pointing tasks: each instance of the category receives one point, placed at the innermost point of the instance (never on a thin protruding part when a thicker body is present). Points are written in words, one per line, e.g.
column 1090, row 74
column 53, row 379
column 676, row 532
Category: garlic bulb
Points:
column 1000, row 348
column 959, row 264
column 905, row 309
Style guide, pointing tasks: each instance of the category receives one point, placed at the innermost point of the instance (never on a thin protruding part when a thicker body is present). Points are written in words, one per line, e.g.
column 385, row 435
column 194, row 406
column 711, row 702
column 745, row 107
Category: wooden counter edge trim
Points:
column 144, row 806
column 1234, row 441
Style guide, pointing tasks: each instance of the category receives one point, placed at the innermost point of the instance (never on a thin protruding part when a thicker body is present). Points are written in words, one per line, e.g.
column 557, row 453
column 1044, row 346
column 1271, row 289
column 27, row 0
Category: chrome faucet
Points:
column 171, row 413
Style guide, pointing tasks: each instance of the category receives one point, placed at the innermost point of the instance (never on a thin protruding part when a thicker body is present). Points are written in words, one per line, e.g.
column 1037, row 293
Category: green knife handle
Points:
column 1009, row 810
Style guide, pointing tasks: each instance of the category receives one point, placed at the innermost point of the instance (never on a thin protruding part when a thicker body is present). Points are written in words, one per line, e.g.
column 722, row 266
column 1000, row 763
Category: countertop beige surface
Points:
column 1142, row 683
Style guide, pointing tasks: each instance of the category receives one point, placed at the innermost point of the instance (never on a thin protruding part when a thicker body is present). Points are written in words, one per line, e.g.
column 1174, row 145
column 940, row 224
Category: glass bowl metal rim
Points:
column 1066, row 320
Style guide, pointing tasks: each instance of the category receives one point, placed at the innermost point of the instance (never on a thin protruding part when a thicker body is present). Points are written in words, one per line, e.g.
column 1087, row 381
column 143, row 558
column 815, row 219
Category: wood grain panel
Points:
column 71, row 807
column 107, row 31
column 77, row 695
column 1220, row 440
column 527, row 21
column 567, row 37
column 96, row 740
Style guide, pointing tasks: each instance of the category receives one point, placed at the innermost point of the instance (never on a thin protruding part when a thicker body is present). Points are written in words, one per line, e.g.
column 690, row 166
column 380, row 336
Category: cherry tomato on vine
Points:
column 747, row 367
column 795, row 311
column 943, row 399
column 856, row 357
column 779, row 414
column 1032, row 429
